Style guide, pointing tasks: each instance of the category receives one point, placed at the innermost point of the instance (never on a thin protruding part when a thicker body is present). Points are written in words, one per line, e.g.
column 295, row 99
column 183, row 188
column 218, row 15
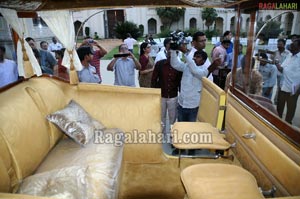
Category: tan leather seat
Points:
column 197, row 135
column 219, row 181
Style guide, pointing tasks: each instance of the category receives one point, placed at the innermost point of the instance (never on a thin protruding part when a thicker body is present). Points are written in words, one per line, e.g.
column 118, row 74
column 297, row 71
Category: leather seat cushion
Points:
column 220, row 181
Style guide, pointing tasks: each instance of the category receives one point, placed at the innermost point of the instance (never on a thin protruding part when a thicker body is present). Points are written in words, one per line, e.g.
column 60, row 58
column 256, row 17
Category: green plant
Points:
column 271, row 30
column 209, row 15
column 122, row 28
column 191, row 31
column 141, row 28
column 210, row 33
column 164, row 33
column 96, row 35
column 87, row 31
column 169, row 15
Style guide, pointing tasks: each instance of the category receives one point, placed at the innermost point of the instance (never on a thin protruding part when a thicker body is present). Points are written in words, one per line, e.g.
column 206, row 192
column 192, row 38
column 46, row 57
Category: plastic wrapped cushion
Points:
column 101, row 161
column 66, row 183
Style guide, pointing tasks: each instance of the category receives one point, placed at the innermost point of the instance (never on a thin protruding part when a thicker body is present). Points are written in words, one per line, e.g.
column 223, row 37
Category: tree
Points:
column 122, row 28
column 169, row 15
column 209, row 15
column 271, row 30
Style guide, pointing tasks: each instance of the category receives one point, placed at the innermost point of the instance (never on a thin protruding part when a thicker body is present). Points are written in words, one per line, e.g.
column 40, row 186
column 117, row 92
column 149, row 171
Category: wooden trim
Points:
column 27, row 14
column 55, row 77
column 285, row 129
column 8, row 86
column 236, row 44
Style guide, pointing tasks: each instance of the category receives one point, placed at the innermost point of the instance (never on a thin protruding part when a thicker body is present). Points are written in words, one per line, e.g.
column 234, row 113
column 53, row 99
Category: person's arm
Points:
column 197, row 71
column 111, row 65
column 155, row 76
column 102, row 50
column 144, row 61
column 214, row 65
column 51, row 60
column 279, row 67
column 273, row 76
column 176, row 63
column 136, row 62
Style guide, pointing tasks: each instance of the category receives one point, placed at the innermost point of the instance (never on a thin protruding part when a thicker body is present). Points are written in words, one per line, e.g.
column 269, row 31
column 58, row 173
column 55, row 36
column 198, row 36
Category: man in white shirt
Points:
column 55, row 45
column 290, row 83
column 163, row 52
column 199, row 43
column 191, row 83
column 279, row 57
column 8, row 69
column 129, row 41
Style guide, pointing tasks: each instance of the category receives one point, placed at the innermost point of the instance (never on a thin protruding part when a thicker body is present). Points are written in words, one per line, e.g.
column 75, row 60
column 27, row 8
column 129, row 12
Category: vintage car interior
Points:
column 252, row 152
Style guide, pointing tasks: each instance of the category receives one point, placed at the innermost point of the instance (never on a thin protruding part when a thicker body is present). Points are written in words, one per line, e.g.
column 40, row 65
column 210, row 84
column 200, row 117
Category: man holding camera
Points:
column 191, row 84
column 99, row 52
column 124, row 64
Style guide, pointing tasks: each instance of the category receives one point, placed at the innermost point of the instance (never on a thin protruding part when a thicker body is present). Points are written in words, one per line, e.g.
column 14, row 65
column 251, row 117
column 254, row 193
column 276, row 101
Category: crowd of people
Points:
column 179, row 81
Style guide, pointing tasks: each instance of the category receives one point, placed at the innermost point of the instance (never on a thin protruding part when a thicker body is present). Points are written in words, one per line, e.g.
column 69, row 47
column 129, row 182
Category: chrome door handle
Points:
column 249, row 135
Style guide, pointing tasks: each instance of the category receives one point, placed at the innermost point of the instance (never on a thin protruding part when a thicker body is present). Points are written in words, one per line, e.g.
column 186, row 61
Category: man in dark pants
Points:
column 290, row 84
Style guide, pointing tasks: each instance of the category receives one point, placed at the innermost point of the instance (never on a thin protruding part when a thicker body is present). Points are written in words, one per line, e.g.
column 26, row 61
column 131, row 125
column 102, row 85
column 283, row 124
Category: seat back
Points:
column 212, row 104
column 25, row 135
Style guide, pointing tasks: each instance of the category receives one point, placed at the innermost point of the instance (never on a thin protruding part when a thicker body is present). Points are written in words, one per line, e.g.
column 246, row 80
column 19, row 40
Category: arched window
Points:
column 152, row 26
column 219, row 25
column 289, row 23
column 77, row 25
column 247, row 23
column 232, row 22
column 193, row 23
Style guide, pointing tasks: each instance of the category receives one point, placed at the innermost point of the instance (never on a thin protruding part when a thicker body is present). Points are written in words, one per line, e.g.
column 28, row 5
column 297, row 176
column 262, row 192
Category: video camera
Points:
column 177, row 39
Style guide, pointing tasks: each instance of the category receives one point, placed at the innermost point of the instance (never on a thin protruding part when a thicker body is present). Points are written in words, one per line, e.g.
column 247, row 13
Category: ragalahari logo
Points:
column 278, row 6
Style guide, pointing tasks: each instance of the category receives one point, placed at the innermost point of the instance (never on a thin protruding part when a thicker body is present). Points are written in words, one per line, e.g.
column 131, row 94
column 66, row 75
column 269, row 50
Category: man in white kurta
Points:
column 290, row 83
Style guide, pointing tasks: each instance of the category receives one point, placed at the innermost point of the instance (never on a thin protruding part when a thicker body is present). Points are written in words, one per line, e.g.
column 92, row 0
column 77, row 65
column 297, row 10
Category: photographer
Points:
column 98, row 51
column 124, row 64
column 191, row 84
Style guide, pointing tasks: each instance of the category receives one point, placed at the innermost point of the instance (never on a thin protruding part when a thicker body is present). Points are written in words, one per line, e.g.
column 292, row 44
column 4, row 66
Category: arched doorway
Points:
column 193, row 23
column 114, row 17
column 289, row 18
column 219, row 25
column 232, row 22
column 152, row 26
column 77, row 25
column 247, row 23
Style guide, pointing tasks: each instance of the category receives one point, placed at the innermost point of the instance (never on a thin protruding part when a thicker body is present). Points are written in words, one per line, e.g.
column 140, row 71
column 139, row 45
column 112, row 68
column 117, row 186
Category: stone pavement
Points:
column 109, row 44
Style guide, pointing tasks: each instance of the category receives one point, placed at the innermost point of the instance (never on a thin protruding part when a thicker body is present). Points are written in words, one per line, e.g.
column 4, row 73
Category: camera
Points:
column 177, row 39
column 121, row 55
column 90, row 41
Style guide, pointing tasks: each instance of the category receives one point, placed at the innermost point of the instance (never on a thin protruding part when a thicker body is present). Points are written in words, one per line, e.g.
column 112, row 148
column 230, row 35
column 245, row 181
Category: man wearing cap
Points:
column 88, row 73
